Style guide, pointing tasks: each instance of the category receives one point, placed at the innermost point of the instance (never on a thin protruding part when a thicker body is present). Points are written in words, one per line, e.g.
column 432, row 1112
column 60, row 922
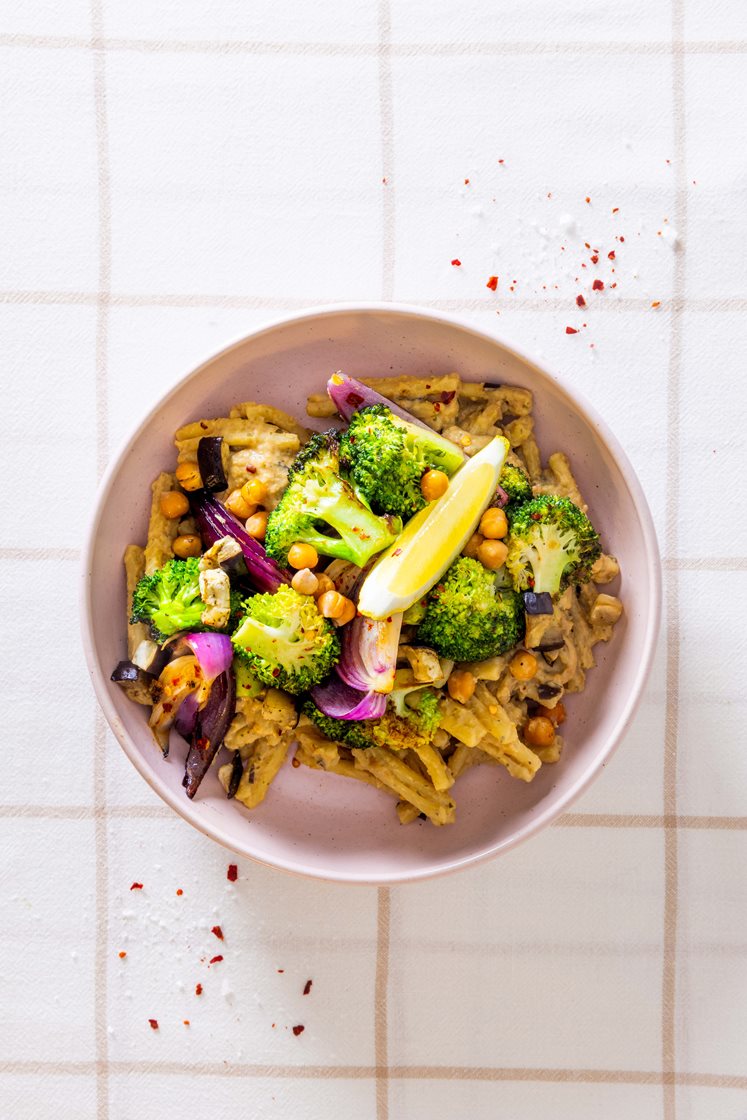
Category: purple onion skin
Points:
column 215, row 522
column 349, row 395
column 339, row 700
column 500, row 498
column 538, row 603
column 210, row 730
column 186, row 717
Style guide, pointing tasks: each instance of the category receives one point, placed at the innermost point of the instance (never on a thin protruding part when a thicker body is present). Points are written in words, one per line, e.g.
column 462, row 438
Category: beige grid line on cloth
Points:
column 101, row 987
column 671, row 847
column 373, row 49
column 296, row 303
column 394, row 1073
column 669, row 821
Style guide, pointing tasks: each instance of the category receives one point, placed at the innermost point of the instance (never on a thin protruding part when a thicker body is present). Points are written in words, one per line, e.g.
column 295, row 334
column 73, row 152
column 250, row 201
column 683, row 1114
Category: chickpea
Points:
column 606, row 610
column 523, row 666
column 256, row 525
column 302, row 555
column 237, row 504
column 493, row 524
column 434, row 484
column 556, row 715
column 305, row 582
column 472, row 545
column 254, row 492
column 174, row 504
column 331, row 604
column 539, row 732
column 348, row 612
column 324, row 583
column 461, row 685
column 188, row 476
column 188, row 545
column 492, row 554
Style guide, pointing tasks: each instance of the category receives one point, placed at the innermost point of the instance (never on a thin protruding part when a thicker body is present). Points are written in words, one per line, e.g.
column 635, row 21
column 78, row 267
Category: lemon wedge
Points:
column 434, row 537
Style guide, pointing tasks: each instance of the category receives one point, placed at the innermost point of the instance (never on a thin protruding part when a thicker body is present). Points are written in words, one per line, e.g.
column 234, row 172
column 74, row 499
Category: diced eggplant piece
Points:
column 135, row 682
column 538, row 602
column 210, row 462
column 237, row 769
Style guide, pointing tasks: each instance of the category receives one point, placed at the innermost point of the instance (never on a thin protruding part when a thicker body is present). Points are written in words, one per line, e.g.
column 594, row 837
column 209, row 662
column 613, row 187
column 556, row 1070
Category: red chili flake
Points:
column 214, row 960
column 614, row 285
column 587, row 245
column 122, row 955
column 611, row 255
column 492, row 283
column 252, row 470
column 384, row 180
column 281, row 970
column 437, row 407
column 307, row 987
column 179, row 891
column 186, row 1022
column 298, row 1030
column 621, row 238
column 218, row 932
column 153, row 1024
column 656, row 303
column 615, row 209
column 580, row 301
column 456, row 262
column 204, row 425
column 501, row 161
column 233, row 873
column 587, row 199
column 466, row 182
column 598, row 285
column 571, row 330
column 198, row 989
column 594, row 259
column 397, row 552
column 295, row 763
column 136, row 887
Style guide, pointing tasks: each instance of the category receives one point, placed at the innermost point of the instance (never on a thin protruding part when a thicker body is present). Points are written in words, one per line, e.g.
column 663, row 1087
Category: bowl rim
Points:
column 544, row 816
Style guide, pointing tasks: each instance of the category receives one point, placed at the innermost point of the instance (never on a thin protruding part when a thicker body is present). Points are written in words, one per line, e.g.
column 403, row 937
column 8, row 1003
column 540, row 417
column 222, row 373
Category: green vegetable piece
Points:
column 469, row 616
column 169, row 599
column 516, row 484
column 286, row 641
column 386, row 457
column 320, row 508
column 551, row 543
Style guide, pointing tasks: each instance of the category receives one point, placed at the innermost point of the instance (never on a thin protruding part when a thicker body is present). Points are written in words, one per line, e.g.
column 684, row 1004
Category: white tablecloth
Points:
column 174, row 173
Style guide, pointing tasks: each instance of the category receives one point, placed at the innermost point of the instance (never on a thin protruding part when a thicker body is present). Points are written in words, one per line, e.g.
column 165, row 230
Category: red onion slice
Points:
column 214, row 522
column 369, row 653
column 349, row 395
column 339, row 700
column 214, row 652
column 211, row 726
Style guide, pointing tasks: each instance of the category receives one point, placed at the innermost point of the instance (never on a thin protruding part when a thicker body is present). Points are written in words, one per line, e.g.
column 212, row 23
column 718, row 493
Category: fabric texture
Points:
column 176, row 173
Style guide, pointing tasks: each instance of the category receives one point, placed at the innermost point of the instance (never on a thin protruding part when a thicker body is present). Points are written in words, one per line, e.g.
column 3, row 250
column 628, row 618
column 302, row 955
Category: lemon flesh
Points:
column 434, row 537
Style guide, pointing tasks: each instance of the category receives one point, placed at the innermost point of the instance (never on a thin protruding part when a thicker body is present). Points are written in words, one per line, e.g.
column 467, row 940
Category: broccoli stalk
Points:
column 169, row 599
column 320, row 508
column 470, row 616
column 551, row 543
column 386, row 457
column 286, row 641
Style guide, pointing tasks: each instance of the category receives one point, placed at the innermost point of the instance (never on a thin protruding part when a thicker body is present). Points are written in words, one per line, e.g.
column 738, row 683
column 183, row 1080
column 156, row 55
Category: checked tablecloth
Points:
column 173, row 173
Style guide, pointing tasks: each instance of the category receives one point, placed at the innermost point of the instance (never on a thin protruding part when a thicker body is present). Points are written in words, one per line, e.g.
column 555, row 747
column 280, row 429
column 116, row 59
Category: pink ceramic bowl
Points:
column 320, row 824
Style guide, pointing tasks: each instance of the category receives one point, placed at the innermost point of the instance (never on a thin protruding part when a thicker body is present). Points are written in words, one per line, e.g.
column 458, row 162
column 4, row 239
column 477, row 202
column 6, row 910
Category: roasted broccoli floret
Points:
column 469, row 616
column 320, row 508
column 353, row 733
column 386, row 457
column 516, row 484
column 169, row 599
column 286, row 641
column 550, row 544
column 405, row 728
